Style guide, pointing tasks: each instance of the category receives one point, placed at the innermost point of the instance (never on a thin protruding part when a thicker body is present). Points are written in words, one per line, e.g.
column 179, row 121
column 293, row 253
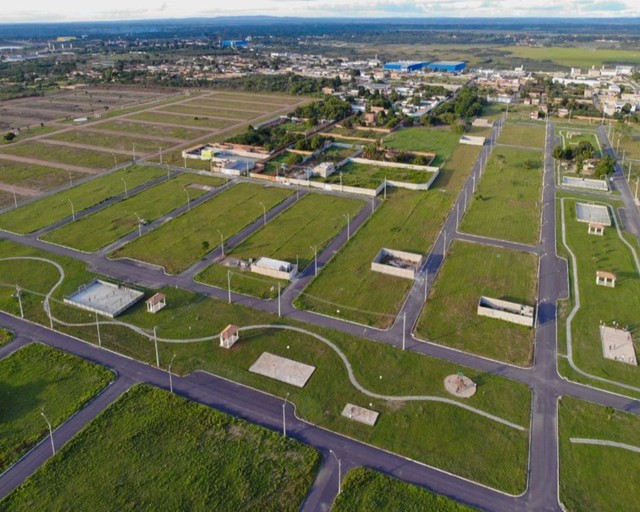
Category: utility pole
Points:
column 279, row 311
column 98, row 329
column 170, row 375
column 284, row 417
column 53, row 448
column 229, row 284
column 339, row 471
column 404, row 329
column 19, row 301
column 15, row 199
column 155, row 341
column 315, row 258
column 73, row 211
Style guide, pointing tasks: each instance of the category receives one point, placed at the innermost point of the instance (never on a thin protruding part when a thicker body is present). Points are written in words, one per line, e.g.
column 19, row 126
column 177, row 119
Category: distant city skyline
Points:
column 72, row 10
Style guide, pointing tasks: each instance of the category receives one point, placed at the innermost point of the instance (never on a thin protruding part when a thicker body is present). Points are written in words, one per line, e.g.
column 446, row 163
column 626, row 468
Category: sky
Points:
column 88, row 10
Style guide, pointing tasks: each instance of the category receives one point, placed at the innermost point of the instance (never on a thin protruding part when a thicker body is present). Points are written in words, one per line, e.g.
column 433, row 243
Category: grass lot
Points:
column 440, row 141
column 577, row 57
column 39, row 378
column 521, row 134
column 123, row 126
column 366, row 489
column 597, row 477
column 313, row 221
column 407, row 221
column 37, row 177
column 470, row 270
column 51, row 209
column 221, row 117
column 65, row 155
column 214, row 105
column 275, row 100
column 505, row 204
column 440, row 434
column 181, row 240
column 275, row 165
column 333, row 154
column 629, row 142
column 123, row 142
column 188, row 121
column 6, row 337
column 105, row 226
column 598, row 303
column 371, row 176
column 361, row 132
column 163, row 452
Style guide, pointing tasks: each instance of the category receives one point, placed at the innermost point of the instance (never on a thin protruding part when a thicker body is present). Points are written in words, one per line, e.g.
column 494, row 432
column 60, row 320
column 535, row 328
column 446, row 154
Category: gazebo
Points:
column 605, row 279
column 229, row 336
column 156, row 303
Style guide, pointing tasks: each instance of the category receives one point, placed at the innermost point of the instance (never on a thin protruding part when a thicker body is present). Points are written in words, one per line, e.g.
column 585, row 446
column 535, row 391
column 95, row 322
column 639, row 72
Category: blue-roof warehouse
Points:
column 406, row 66
column 448, row 66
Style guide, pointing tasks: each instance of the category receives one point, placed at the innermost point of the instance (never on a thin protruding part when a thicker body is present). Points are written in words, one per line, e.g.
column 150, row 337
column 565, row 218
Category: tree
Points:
column 9, row 136
column 605, row 167
column 205, row 246
column 502, row 161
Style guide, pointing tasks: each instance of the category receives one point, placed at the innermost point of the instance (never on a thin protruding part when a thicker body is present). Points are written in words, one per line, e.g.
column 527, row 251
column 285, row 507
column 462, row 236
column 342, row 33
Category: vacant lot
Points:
column 521, row 134
column 440, row 141
column 366, row 489
column 506, row 202
column 121, row 142
column 65, row 155
column 37, row 177
column 178, row 244
column 38, row 378
column 313, row 221
column 110, row 224
column 195, row 121
column 471, row 270
column 51, row 209
column 214, row 105
column 407, row 221
column 372, row 176
column 163, row 452
column 598, row 477
column 221, row 117
column 577, row 57
column 121, row 125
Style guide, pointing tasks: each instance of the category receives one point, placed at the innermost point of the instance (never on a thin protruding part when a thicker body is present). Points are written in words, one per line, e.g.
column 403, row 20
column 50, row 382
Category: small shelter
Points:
column 156, row 303
column 229, row 335
column 596, row 229
column 605, row 279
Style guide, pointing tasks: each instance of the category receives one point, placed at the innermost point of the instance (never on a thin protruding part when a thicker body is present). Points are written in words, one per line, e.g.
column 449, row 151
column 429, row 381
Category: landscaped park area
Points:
column 310, row 223
column 38, row 379
column 470, row 271
column 161, row 451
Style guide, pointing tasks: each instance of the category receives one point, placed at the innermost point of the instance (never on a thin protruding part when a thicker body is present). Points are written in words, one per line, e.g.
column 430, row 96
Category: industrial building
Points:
column 406, row 66
column 447, row 66
column 234, row 43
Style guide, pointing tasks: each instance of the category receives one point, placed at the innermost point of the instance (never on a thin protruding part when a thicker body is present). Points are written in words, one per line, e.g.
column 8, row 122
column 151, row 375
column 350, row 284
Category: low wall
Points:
column 472, row 141
column 277, row 274
column 407, row 273
column 504, row 310
column 585, row 183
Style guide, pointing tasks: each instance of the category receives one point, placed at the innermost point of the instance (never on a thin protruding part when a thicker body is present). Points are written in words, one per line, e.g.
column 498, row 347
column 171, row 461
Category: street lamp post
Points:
column 229, row 284
column 134, row 152
column 126, row 190
column 15, row 199
column 188, row 199
column 155, row 342
column 279, row 310
column 160, row 154
column 314, row 248
column 170, row 375
column 139, row 224
column 70, row 177
column 19, row 301
column 98, row 329
column 284, row 417
column 53, row 448
column 73, row 211
column 348, row 225
column 221, row 241
column 264, row 213
column 339, row 471
column 404, row 329
column 115, row 160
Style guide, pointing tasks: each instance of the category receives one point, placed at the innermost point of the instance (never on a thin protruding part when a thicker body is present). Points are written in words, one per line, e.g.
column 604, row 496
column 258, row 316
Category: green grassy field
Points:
column 366, row 489
column 505, row 204
column 65, row 155
column 371, row 176
column 407, row 221
column 629, row 142
column 440, row 141
column 51, row 209
column 333, row 154
column 196, row 121
column 214, row 105
column 182, row 239
column 453, row 439
column 122, row 142
column 577, row 136
column 38, row 378
column 577, row 57
column 273, row 99
column 470, row 270
column 37, row 177
column 103, row 227
column 597, row 477
column 163, row 452
column 123, row 126
column 313, row 221
column 597, row 303
column 6, row 337
column 521, row 134
column 221, row 118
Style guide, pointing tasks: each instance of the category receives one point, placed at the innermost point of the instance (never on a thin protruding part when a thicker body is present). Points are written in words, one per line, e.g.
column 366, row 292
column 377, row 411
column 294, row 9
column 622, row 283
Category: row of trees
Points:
column 583, row 151
column 269, row 138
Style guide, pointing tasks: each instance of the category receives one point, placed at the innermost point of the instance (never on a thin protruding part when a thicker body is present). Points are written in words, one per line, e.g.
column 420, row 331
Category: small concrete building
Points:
column 397, row 263
column 156, row 303
column 595, row 229
column 274, row 268
column 229, row 335
column 324, row 169
column 605, row 279
column 504, row 310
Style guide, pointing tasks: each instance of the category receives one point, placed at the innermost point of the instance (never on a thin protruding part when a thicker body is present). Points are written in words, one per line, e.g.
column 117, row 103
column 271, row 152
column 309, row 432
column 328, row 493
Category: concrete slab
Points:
column 106, row 298
column 360, row 414
column 617, row 344
column 282, row 369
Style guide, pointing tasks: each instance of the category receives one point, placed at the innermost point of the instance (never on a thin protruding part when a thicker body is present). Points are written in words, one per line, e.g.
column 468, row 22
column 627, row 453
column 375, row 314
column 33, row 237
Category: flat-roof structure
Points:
column 274, row 268
column 587, row 183
column 105, row 298
column 447, row 65
column 406, row 65
column 590, row 213
column 617, row 344
column 504, row 310
column 360, row 414
column 282, row 369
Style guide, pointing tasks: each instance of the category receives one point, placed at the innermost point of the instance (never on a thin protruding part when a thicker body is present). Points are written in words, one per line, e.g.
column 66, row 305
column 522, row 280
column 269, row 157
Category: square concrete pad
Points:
column 617, row 344
column 357, row 413
column 282, row 369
